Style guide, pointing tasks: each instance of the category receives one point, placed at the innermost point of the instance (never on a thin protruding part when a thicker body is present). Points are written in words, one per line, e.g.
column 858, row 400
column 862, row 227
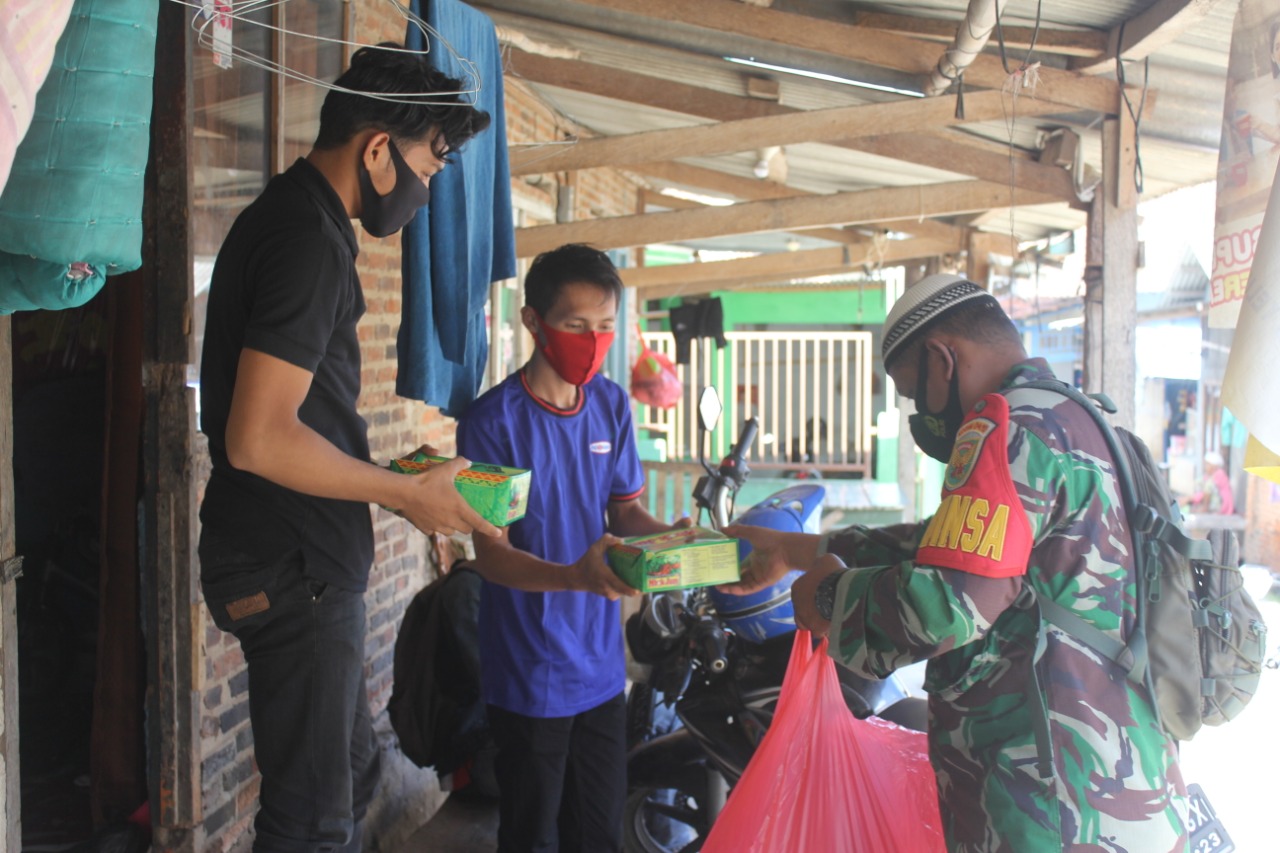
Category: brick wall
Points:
column 408, row 796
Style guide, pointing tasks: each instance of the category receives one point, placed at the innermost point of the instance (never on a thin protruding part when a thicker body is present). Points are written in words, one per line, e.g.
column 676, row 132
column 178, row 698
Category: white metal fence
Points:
column 810, row 391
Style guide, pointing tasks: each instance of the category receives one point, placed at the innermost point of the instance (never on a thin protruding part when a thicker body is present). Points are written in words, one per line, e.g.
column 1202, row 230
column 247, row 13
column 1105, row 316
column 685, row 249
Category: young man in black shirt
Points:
column 287, row 540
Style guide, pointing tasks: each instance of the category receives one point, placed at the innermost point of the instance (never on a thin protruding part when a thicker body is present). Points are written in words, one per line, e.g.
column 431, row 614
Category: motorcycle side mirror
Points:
column 709, row 408
column 709, row 411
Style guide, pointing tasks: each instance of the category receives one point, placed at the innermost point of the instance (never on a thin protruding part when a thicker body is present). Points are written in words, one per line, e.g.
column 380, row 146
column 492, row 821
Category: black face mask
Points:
column 384, row 215
column 935, row 432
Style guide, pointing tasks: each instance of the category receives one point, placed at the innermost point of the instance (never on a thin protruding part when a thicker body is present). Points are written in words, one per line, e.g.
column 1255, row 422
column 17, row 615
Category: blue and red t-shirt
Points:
column 554, row 654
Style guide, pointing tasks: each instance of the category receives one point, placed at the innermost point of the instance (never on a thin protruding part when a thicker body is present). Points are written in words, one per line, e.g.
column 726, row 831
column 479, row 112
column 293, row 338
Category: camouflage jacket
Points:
column 1114, row 783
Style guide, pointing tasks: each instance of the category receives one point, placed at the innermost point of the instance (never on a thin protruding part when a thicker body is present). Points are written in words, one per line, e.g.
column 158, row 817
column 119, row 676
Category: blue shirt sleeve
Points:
column 628, row 476
column 484, row 439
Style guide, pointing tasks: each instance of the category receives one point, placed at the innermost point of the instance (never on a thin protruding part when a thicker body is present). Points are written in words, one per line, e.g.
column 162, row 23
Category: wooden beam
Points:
column 775, row 268
column 713, row 181
column 514, row 38
column 622, row 85
column 877, row 205
column 1126, row 183
column 972, row 159
column 982, row 245
column 713, row 275
column 170, row 567
column 10, row 756
column 1147, row 32
column 638, row 254
column 835, row 235
column 861, row 44
column 993, row 243
column 653, row 198
column 732, row 185
column 835, row 124
column 1083, row 43
column 1111, row 273
column 950, row 150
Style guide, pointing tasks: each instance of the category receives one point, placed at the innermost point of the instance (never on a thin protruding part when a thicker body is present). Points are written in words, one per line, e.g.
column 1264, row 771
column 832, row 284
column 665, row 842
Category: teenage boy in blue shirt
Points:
column 551, row 653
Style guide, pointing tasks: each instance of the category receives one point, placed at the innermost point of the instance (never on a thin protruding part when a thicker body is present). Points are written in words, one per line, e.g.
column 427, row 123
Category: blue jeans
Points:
column 303, row 641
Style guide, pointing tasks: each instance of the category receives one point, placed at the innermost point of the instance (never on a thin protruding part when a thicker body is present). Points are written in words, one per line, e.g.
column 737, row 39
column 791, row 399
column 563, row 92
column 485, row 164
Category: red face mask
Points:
column 575, row 356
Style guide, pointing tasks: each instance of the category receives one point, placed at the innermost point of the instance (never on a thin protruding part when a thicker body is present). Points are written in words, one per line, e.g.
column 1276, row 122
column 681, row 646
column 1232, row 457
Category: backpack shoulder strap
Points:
column 1127, row 491
column 1142, row 518
column 1131, row 656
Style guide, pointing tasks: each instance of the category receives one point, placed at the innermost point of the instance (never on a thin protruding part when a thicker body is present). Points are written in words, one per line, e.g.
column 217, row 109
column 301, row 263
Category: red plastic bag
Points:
column 824, row 780
column 654, row 380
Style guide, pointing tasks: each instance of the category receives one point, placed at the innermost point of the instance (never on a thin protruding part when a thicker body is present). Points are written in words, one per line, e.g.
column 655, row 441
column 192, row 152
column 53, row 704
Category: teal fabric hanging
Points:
column 74, row 194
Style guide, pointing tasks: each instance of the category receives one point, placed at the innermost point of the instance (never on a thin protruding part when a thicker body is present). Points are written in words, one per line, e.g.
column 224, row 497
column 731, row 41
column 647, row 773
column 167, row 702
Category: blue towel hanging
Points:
column 464, row 239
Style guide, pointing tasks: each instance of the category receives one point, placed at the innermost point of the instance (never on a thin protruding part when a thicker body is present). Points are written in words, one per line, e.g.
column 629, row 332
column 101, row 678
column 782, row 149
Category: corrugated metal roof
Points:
column 1185, row 288
column 1179, row 136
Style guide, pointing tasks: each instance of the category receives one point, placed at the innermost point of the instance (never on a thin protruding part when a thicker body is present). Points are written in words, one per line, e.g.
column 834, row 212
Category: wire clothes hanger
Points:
column 208, row 14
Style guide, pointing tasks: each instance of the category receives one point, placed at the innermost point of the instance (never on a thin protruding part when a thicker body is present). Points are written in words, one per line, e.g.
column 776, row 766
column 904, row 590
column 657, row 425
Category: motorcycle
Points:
column 713, row 665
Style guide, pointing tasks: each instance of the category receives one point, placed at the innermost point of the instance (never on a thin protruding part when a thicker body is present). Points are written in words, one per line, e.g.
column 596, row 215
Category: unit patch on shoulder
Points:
column 968, row 447
column 980, row 526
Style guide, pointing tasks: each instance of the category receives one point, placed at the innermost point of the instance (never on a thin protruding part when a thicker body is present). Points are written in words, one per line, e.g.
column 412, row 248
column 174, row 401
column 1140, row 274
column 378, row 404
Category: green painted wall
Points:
column 861, row 306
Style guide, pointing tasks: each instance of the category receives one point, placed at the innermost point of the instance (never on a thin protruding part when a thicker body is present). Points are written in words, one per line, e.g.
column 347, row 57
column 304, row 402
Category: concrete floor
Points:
column 462, row 825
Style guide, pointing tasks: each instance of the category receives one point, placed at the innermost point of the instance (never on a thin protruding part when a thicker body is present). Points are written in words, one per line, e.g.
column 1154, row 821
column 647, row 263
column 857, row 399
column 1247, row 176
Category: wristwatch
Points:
column 824, row 600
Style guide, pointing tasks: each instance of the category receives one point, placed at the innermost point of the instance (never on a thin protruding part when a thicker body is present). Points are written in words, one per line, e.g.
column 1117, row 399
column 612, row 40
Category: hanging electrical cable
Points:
column 1025, row 76
column 1136, row 115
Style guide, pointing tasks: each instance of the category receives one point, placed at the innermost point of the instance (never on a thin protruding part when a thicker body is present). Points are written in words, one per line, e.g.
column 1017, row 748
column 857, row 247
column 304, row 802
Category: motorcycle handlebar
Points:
column 711, row 645
column 714, row 492
column 734, row 466
column 747, row 437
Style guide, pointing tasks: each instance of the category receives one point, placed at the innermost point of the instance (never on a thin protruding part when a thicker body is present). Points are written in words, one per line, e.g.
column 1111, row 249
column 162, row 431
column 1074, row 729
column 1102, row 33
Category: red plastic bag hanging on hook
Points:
column 654, row 380
column 822, row 779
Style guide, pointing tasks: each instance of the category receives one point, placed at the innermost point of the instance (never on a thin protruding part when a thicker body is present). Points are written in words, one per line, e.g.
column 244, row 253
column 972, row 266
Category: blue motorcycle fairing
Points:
column 768, row 613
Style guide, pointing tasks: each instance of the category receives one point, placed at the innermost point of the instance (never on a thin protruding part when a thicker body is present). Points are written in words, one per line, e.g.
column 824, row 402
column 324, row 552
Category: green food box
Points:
column 499, row 494
column 675, row 559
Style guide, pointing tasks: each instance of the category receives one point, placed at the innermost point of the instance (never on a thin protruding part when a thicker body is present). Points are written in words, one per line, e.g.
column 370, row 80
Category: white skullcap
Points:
column 1213, row 457
column 922, row 303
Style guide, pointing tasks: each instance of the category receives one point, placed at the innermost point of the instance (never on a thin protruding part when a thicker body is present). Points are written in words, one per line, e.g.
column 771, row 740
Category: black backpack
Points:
column 436, row 709
column 1199, row 642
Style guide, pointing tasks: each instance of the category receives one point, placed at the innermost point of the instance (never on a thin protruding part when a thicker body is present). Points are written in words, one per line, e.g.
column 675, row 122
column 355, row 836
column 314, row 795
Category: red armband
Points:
column 980, row 526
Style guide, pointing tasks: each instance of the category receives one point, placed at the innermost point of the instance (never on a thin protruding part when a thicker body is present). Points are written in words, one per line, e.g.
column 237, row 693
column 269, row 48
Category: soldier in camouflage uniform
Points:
column 1061, row 754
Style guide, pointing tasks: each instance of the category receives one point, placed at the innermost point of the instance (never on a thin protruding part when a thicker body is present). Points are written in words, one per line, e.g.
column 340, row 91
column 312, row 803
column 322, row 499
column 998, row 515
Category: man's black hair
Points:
column 385, row 70
column 569, row 264
column 982, row 321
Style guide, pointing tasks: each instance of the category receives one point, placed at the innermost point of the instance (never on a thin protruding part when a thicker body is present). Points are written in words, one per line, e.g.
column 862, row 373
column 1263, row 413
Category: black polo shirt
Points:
column 285, row 284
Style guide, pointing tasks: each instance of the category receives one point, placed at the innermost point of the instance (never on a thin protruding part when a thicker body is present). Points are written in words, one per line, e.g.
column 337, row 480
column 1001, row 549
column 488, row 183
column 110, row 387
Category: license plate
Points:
column 1207, row 833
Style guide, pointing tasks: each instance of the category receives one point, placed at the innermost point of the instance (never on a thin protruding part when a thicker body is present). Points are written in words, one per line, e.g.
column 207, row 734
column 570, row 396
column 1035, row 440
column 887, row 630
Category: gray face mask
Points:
column 384, row 215
column 935, row 432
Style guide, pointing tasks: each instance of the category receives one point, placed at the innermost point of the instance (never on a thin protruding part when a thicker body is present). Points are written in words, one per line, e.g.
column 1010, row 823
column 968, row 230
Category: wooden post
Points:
column 169, row 520
column 1111, row 271
column 907, row 468
column 10, row 771
column 641, row 207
